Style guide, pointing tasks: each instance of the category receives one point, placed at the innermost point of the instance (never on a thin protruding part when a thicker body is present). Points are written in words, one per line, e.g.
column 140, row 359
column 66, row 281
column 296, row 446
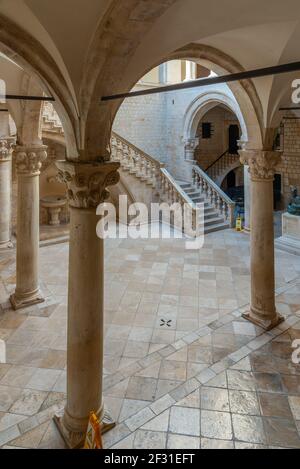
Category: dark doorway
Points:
column 231, row 180
column 234, row 136
column 277, row 192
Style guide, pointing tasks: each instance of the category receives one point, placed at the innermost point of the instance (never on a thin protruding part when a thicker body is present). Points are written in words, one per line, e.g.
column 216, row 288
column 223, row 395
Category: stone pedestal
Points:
column 6, row 148
column 87, row 183
column 262, row 166
column 290, row 239
column 28, row 164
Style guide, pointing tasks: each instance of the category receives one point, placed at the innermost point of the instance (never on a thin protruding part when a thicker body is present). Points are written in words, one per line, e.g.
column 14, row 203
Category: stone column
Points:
column 247, row 198
column 262, row 166
column 86, row 183
column 190, row 146
column 190, row 70
column 28, row 164
column 6, row 146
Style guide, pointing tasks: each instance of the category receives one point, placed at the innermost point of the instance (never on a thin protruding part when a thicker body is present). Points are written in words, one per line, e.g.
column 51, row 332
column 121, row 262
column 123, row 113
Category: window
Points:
column 206, row 130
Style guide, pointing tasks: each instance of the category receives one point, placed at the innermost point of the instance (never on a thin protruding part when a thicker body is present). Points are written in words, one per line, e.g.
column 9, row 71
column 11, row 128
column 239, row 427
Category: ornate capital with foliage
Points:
column 6, row 148
column 87, row 182
column 262, row 163
column 29, row 159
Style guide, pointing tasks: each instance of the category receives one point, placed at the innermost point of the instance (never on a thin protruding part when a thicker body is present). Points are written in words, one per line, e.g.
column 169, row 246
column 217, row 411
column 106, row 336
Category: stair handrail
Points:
column 142, row 153
column 180, row 192
column 224, row 204
column 217, row 160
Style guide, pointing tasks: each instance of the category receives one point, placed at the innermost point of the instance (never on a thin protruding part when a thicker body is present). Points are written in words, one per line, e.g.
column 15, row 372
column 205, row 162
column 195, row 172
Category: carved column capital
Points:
column 87, row 182
column 6, row 148
column 262, row 163
column 191, row 143
column 29, row 159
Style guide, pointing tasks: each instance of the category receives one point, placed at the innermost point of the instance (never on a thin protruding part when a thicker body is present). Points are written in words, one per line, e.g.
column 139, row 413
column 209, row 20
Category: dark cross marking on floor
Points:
column 164, row 322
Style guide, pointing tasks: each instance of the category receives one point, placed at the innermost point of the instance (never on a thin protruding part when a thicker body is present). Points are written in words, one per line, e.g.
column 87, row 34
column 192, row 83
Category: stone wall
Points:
column 211, row 149
column 142, row 121
column 155, row 124
column 290, row 165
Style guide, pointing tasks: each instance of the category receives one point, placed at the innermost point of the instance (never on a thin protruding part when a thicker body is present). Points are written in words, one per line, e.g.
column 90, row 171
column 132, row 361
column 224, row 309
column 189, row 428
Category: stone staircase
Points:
column 146, row 180
column 213, row 221
column 51, row 122
column 218, row 207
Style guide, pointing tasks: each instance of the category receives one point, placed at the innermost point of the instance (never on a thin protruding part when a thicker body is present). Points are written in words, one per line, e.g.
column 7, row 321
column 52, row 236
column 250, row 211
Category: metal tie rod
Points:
column 261, row 72
column 26, row 98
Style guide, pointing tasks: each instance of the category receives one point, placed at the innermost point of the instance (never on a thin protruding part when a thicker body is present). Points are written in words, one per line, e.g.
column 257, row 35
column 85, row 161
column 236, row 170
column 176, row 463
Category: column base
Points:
column 76, row 440
column 264, row 323
column 5, row 246
column 26, row 301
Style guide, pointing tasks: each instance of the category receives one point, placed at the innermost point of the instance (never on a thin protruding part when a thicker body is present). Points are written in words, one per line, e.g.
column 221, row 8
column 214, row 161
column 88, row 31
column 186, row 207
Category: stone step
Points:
column 213, row 221
column 216, row 227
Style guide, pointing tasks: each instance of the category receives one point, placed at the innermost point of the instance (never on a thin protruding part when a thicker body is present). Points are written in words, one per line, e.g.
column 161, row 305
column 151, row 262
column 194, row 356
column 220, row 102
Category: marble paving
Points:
column 178, row 356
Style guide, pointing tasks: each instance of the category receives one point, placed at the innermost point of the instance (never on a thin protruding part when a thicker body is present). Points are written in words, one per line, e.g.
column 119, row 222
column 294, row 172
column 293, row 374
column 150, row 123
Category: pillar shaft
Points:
column 262, row 166
column 85, row 320
column 28, row 164
column 5, row 192
column 86, row 189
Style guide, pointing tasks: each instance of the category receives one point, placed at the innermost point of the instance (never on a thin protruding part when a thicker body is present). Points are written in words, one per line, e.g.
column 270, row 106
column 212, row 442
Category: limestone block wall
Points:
column 142, row 121
column 155, row 124
column 210, row 149
column 290, row 165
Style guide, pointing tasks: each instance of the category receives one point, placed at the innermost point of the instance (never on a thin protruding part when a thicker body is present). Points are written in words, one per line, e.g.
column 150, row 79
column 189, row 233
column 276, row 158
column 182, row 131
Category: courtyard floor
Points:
column 182, row 368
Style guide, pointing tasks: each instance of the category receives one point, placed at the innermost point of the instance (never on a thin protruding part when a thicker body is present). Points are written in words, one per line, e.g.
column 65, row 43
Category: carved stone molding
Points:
column 6, row 148
column 262, row 163
column 87, row 182
column 29, row 159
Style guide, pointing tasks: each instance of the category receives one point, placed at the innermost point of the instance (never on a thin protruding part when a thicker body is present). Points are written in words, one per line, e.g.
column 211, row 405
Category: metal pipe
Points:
column 261, row 72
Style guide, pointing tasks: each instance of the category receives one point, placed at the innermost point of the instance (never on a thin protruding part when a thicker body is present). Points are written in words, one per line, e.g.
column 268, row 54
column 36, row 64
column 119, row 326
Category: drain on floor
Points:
column 165, row 323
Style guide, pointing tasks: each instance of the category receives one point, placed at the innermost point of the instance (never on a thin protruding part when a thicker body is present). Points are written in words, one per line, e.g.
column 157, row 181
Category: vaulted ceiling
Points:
column 104, row 46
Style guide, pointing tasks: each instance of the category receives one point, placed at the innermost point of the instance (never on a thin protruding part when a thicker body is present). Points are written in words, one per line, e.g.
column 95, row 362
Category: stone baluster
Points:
column 120, row 152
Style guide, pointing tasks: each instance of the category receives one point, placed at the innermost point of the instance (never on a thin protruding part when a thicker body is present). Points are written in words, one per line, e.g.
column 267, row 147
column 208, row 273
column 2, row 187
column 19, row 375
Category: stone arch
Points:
column 204, row 103
column 29, row 54
column 99, row 118
column 228, row 170
column 244, row 91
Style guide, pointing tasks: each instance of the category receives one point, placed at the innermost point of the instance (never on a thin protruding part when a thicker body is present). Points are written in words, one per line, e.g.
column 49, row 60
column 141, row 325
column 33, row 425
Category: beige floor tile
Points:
column 214, row 399
column 185, row 421
column 216, row 425
column 173, row 370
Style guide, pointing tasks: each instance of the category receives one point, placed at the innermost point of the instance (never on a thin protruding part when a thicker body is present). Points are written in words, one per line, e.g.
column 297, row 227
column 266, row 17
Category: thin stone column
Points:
column 28, row 164
column 262, row 166
column 247, row 197
column 6, row 148
column 86, row 183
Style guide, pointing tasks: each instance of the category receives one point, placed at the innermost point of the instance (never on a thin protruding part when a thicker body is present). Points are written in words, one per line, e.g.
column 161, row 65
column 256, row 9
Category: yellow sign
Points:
column 93, row 435
column 239, row 225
